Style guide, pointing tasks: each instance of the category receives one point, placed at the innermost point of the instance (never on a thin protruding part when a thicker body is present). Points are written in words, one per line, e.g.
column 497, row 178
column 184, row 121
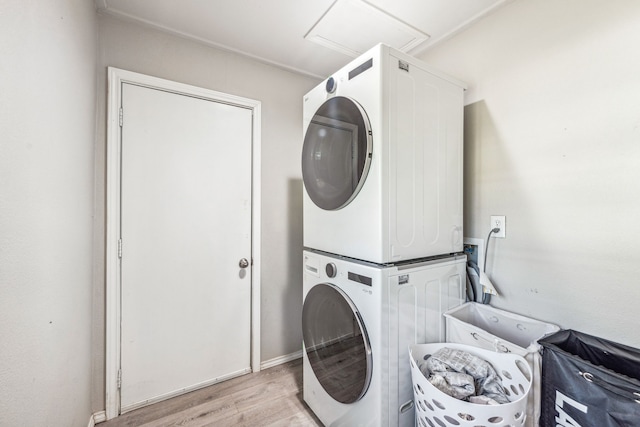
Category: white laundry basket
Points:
column 490, row 328
column 437, row 409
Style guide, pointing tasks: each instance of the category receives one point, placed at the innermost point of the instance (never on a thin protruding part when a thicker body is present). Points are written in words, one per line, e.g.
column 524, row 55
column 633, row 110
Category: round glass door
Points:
column 336, row 343
column 337, row 153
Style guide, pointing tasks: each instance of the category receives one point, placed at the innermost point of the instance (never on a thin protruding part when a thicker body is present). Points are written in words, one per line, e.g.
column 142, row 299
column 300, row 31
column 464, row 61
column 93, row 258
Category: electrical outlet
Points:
column 499, row 221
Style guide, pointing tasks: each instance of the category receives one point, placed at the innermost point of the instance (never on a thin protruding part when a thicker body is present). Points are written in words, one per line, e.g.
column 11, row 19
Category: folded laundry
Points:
column 464, row 376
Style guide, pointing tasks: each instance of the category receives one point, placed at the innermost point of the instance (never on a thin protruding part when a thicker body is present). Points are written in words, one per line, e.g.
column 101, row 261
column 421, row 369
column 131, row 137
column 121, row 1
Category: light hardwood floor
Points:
column 272, row 397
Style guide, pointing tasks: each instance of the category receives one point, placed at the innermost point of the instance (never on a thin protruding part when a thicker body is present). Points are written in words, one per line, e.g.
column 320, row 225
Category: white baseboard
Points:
column 280, row 360
column 98, row 417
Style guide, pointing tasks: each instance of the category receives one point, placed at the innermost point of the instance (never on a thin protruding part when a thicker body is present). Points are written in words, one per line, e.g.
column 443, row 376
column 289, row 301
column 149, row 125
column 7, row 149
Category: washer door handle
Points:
column 243, row 263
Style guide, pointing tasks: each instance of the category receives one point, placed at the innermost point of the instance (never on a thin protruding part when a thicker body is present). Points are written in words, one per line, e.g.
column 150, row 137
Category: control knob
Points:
column 331, row 270
column 331, row 85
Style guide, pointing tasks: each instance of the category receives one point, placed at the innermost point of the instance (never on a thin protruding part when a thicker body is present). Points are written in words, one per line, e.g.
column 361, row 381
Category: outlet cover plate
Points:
column 499, row 221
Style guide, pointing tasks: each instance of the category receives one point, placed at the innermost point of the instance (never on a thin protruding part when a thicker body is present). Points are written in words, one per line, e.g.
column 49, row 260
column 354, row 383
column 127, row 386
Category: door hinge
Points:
column 119, row 378
column 120, row 117
column 119, row 248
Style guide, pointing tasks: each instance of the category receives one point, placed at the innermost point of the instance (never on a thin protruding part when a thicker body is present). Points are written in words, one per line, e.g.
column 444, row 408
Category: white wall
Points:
column 47, row 116
column 552, row 141
column 143, row 50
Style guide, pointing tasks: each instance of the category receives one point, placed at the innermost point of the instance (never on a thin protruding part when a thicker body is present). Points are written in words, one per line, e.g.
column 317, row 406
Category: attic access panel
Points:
column 353, row 26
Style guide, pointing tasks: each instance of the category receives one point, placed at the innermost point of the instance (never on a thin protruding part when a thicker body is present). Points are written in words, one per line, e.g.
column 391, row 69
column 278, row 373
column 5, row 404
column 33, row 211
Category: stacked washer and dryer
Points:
column 382, row 170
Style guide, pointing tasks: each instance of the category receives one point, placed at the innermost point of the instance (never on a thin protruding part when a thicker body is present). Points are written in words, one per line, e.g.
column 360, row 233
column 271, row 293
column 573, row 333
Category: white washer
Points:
column 358, row 320
column 382, row 160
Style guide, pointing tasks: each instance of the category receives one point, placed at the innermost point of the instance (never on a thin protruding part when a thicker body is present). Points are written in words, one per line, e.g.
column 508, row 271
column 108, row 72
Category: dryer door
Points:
column 337, row 153
column 336, row 343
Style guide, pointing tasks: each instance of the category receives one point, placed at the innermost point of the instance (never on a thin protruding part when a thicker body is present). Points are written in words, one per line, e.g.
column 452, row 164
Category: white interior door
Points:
column 185, row 225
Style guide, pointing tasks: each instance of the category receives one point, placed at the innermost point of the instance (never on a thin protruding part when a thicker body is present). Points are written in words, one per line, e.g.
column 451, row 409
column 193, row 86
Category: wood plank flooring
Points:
column 272, row 397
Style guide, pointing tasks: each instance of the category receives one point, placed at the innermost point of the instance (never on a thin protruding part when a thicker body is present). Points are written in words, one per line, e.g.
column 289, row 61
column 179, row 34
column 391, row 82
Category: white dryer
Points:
column 358, row 320
column 382, row 160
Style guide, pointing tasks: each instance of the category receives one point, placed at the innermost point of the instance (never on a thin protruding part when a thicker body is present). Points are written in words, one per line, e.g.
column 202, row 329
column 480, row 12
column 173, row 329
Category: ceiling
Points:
column 314, row 37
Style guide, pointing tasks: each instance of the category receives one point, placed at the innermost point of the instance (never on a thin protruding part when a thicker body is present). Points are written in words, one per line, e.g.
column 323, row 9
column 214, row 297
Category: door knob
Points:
column 243, row 263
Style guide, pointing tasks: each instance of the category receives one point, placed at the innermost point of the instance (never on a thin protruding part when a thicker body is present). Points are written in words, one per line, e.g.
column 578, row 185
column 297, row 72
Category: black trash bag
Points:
column 589, row 382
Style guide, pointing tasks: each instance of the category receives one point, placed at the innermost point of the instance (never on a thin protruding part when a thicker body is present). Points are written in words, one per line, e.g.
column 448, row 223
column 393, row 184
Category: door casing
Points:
column 116, row 78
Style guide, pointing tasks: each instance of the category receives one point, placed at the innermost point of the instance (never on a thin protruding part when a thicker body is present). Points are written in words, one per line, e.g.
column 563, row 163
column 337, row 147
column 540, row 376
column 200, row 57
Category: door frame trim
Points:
column 116, row 77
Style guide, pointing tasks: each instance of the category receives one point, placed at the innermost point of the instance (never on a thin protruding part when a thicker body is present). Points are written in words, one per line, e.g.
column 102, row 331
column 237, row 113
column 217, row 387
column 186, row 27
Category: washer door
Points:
column 337, row 153
column 336, row 343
